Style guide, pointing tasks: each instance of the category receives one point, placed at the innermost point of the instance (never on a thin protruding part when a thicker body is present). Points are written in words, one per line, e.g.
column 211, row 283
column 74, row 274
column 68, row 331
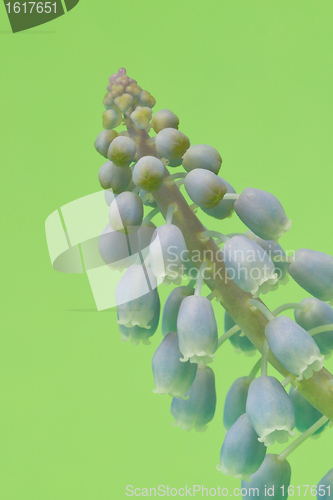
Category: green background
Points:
column 78, row 418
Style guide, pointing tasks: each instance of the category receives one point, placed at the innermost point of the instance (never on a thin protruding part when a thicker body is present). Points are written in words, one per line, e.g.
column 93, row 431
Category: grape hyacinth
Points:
column 139, row 189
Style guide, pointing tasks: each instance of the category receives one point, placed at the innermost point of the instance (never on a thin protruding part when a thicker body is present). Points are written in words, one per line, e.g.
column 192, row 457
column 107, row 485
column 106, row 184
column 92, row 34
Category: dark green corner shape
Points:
column 23, row 21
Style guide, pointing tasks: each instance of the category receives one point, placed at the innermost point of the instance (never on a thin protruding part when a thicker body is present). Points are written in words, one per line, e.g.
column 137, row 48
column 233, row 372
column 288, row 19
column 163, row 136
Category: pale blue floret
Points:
column 248, row 265
column 305, row 413
column 225, row 208
column 293, row 347
column 313, row 271
column 316, row 313
column 239, row 341
column 171, row 143
column 202, row 156
column 167, row 253
column 205, row 188
column 115, row 178
column 241, row 452
column 171, row 308
column 171, row 376
column 116, row 250
column 276, row 253
column 126, row 212
column 197, row 329
column 262, row 213
column 325, row 487
column 199, row 409
column 148, row 173
column 271, row 480
column 270, row 410
column 136, row 297
column 235, row 401
column 137, row 334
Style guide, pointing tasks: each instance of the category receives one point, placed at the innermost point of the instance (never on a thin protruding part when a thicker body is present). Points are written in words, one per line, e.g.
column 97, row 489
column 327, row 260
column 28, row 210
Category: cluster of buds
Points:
column 258, row 410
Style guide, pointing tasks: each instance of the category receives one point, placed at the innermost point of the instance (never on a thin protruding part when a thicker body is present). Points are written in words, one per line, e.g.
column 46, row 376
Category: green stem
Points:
column 169, row 214
column 321, row 329
column 200, row 279
column 214, row 234
column 231, row 196
column 150, row 216
column 264, row 359
column 227, row 335
column 254, row 371
column 288, row 380
column 302, row 438
column 234, row 300
column 282, row 258
column 262, row 308
column 289, row 305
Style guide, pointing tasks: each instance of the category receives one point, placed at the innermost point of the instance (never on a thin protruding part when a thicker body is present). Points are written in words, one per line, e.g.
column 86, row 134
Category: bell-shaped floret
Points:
column 104, row 140
column 136, row 297
column 171, row 308
column 122, row 151
column 148, row 173
column 270, row 410
column 248, row 265
column 115, row 178
column 167, row 253
column 164, row 119
column 123, row 102
column 235, row 401
column 116, row 249
column 325, row 487
column 171, row 376
column 293, row 347
column 171, row 143
column 262, row 213
column 137, row 334
column 202, row 156
column 305, row 413
column 126, row 212
column 271, row 480
column 316, row 313
column 197, row 329
column 205, row 188
column 225, row 208
column 276, row 253
column 199, row 409
column 241, row 452
column 239, row 341
column 313, row 271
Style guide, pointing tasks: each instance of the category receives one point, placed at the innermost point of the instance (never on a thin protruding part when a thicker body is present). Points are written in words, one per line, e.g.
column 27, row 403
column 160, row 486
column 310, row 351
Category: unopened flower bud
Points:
column 122, row 151
column 148, row 173
column 202, row 156
column 205, row 188
column 313, row 271
column 164, row 119
column 104, row 140
column 146, row 99
column 126, row 212
column 111, row 118
column 141, row 116
column 171, row 143
column 262, row 213
column 115, row 178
